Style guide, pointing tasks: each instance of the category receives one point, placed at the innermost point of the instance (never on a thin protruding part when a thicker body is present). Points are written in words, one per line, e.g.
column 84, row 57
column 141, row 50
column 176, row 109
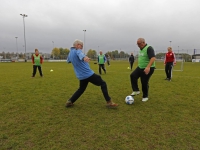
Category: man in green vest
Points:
column 37, row 62
column 146, row 66
column 101, row 62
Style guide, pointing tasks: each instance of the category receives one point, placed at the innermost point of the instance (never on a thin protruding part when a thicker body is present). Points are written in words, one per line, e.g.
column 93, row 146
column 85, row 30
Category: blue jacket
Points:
column 81, row 68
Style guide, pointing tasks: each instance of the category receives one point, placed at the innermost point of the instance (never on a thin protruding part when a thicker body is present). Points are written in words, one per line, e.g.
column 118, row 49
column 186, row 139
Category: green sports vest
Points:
column 143, row 59
column 101, row 59
column 37, row 60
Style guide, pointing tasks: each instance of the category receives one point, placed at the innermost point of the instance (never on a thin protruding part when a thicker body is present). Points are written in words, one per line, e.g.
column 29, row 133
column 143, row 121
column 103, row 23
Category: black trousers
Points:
column 103, row 67
column 131, row 64
column 94, row 79
column 139, row 73
column 168, row 69
column 35, row 70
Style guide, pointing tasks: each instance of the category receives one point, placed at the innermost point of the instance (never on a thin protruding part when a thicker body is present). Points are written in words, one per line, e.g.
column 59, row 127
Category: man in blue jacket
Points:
column 85, row 75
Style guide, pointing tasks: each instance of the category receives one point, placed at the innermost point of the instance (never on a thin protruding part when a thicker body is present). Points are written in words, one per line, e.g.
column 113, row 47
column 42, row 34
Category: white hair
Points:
column 76, row 42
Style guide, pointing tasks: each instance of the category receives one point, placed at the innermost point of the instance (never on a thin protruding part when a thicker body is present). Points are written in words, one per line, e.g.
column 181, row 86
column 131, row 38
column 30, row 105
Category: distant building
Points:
column 196, row 58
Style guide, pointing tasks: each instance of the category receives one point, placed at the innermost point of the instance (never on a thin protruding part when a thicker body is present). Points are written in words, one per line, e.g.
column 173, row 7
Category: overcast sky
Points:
column 109, row 24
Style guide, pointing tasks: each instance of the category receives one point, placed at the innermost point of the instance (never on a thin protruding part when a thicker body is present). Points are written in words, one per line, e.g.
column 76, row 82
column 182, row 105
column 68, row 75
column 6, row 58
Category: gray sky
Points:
column 109, row 24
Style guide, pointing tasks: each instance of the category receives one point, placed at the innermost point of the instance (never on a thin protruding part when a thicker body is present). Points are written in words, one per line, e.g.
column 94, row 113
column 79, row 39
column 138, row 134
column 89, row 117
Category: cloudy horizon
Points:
column 110, row 24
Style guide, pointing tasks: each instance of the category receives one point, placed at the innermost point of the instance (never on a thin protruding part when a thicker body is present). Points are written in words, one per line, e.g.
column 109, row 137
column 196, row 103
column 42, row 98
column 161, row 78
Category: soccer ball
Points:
column 129, row 100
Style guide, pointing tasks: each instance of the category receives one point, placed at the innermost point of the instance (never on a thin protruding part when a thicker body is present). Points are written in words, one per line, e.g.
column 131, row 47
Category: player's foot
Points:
column 169, row 79
column 32, row 76
column 110, row 104
column 145, row 99
column 166, row 78
column 69, row 103
column 135, row 93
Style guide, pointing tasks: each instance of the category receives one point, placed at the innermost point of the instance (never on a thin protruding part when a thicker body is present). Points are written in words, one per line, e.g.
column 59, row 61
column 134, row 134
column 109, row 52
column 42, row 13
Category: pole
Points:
column 178, row 52
column 84, row 41
column 17, row 47
column 170, row 43
column 24, row 15
column 53, row 48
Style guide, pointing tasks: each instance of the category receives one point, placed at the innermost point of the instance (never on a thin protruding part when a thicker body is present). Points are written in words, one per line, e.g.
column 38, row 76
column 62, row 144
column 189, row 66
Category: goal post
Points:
column 178, row 67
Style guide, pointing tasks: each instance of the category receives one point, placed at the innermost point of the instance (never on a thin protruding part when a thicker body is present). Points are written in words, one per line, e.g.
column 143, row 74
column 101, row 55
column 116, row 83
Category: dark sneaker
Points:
column 69, row 104
column 110, row 104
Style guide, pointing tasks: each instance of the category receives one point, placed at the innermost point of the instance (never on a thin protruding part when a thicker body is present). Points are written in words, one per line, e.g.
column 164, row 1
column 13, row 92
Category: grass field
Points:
column 33, row 114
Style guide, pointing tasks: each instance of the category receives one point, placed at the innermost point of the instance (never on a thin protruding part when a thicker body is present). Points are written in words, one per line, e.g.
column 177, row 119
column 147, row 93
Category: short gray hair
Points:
column 76, row 42
column 141, row 40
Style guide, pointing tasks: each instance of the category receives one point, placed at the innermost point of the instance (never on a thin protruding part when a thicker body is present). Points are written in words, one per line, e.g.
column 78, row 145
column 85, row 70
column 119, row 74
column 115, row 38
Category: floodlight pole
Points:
column 17, row 48
column 53, row 48
column 178, row 52
column 24, row 15
column 170, row 43
column 84, row 41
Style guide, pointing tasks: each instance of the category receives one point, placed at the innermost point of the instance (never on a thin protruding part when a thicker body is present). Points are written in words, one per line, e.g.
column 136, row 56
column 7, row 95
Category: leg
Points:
column 170, row 70
column 134, row 79
column 99, row 68
column 145, row 82
column 34, row 70
column 79, row 92
column 167, row 70
column 40, row 70
column 97, row 80
column 104, row 69
column 131, row 63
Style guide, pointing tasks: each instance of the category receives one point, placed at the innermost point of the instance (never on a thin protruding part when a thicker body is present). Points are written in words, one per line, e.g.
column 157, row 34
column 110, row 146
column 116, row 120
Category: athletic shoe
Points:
column 169, row 79
column 135, row 93
column 166, row 78
column 110, row 104
column 69, row 103
column 145, row 99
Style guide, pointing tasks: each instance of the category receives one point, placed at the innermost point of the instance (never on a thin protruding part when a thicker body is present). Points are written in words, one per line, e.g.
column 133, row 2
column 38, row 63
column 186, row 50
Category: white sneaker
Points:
column 135, row 93
column 145, row 99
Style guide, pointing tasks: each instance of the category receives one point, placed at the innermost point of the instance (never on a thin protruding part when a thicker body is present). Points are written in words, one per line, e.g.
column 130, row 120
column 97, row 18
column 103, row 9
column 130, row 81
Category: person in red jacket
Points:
column 37, row 61
column 169, row 62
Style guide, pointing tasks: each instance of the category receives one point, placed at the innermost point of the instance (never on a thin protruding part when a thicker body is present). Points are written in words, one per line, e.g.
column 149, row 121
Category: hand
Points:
column 86, row 59
column 146, row 70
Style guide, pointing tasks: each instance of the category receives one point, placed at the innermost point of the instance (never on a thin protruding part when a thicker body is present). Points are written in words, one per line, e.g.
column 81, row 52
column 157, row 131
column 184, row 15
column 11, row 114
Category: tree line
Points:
column 62, row 53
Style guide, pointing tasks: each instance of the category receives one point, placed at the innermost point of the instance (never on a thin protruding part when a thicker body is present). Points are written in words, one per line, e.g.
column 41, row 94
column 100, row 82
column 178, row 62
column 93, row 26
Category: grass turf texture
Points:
column 33, row 113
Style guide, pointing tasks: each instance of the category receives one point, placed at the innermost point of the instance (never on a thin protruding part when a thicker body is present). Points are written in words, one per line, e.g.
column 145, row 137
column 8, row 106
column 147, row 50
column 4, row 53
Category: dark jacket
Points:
column 131, row 58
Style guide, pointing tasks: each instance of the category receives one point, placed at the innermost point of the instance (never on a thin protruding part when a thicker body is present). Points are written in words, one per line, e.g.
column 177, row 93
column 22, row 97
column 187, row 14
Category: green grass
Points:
column 33, row 114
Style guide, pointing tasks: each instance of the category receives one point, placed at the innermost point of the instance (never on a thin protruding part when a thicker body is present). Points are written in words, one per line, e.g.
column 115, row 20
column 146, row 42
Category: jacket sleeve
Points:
column 41, row 59
column 32, row 59
column 165, row 59
column 174, row 59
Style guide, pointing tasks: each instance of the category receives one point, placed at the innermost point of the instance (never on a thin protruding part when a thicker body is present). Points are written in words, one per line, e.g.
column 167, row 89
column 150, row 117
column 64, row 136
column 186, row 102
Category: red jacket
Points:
column 41, row 59
column 170, row 57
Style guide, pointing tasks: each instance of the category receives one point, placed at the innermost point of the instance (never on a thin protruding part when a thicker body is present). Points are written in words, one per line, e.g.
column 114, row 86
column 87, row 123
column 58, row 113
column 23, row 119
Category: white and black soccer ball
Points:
column 129, row 100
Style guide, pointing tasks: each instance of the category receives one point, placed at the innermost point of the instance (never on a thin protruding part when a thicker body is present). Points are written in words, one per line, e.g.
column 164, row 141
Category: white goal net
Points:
column 178, row 67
